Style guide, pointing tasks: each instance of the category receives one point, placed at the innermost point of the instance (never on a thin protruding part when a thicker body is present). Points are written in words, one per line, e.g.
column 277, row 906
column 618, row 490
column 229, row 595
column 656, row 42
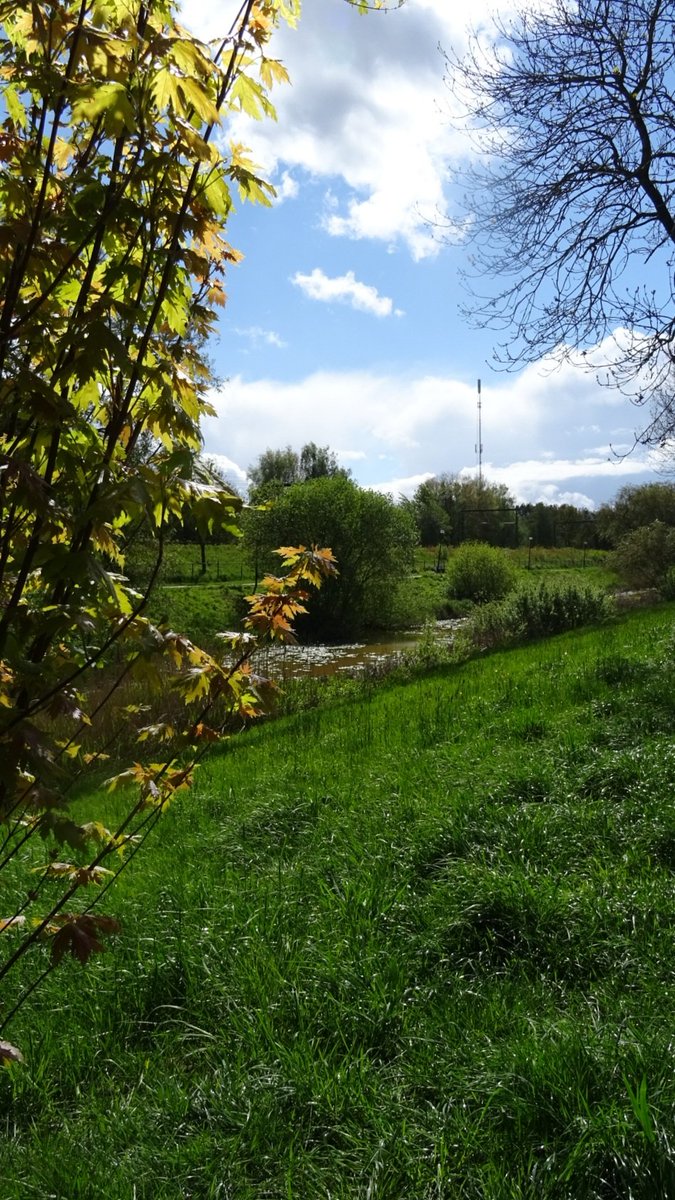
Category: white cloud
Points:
column 550, row 493
column 257, row 336
column 367, row 106
column 523, row 478
column 346, row 289
column 286, row 188
column 404, row 427
column 405, row 486
column 231, row 470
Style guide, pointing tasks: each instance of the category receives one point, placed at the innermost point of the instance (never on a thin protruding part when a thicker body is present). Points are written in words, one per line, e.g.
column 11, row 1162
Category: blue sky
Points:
column 342, row 324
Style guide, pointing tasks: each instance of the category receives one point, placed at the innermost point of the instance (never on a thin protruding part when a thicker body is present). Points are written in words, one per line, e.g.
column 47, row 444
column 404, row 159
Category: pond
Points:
column 348, row 658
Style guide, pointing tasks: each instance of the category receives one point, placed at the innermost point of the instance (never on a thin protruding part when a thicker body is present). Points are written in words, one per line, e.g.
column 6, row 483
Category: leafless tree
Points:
column 572, row 197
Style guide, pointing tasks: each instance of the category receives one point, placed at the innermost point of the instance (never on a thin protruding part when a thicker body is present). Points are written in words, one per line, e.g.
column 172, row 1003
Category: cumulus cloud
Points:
column 233, row 473
column 536, row 472
column 347, row 289
column 405, row 486
column 367, row 106
column 286, row 187
column 258, row 336
column 403, row 428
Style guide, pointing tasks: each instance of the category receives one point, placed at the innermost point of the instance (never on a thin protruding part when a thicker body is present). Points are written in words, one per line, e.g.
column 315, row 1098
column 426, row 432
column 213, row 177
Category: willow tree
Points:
column 117, row 182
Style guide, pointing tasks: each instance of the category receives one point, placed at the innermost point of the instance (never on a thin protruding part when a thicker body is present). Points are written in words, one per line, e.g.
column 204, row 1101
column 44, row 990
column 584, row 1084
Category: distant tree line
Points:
column 306, row 497
column 450, row 510
column 445, row 510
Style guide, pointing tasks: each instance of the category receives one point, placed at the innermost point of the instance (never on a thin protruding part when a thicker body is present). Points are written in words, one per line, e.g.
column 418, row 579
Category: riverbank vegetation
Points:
column 392, row 577
column 204, row 606
column 419, row 944
column 372, row 538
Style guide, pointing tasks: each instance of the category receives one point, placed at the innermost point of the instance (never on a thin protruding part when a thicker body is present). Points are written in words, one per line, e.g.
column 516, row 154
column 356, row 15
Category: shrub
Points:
column 431, row 650
column 645, row 555
column 490, row 627
column 480, row 572
column 532, row 613
column 372, row 537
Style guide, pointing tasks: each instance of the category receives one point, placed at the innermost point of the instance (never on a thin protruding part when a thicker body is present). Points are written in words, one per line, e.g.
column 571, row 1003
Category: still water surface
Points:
column 348, row 658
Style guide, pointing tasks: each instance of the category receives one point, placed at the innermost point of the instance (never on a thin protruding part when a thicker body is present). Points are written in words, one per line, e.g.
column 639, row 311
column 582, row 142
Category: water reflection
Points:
column 348, row 658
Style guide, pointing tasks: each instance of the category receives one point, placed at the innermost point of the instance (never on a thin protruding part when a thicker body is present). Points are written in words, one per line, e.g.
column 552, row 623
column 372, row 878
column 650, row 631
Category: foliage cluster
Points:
column 449, row 510
column 372, row 538
column 667, row 585
column 646, row 554
column 634, row 507
column 277, row 469
column 427, row 951
column 478, row 572
column 534, row 612
column 220, row 693
column 114, row 200
column 559, row 525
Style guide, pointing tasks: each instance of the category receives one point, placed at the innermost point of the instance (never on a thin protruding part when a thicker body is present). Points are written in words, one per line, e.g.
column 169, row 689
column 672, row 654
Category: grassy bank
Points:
column 417, row 946
column 203, row 605
column 184, row 562
column 199, row 610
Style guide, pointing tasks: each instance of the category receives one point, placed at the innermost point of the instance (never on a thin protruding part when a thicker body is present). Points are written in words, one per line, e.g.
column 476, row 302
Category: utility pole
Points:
column 479, row 443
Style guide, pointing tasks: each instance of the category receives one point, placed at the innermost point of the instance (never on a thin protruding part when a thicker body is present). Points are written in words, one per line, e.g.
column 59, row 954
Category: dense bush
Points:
column 634, row 507
column 532, row 613
column 480, row 572
column 645, row 555
column 372, row 538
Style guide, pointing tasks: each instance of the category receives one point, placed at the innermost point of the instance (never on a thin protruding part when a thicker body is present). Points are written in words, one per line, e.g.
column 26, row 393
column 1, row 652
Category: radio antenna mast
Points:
column 479, row 443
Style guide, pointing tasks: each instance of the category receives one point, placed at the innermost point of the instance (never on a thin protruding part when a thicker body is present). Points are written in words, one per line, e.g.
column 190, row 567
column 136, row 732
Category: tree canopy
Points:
column 636, row 506
column 372, row 538
column 450, row 509
column 573, row 194
column 276, row 469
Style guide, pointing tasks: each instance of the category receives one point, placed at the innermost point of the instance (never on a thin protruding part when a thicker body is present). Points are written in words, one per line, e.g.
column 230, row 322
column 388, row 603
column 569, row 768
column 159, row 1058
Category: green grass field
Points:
column 198, row 610
column 202, row 606
column 419, row 945
column 182, row 563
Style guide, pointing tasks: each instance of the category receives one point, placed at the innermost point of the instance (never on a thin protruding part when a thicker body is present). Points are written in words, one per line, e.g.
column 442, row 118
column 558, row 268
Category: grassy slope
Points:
column 182, row 562
column 209, row 605
column 420, row 946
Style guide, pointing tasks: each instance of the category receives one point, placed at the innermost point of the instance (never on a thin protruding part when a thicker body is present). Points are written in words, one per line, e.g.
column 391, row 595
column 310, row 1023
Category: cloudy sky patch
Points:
column 346, row 289
column 365, row 159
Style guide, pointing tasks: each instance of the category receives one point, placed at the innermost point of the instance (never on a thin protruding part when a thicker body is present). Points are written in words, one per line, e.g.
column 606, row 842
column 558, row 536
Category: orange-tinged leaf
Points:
column 78, row 934
column 70, row 871
column 11, row 923
column 204, row 733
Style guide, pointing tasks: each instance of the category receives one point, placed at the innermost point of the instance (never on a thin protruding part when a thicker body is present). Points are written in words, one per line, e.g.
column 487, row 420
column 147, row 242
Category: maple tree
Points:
column 116, row 187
